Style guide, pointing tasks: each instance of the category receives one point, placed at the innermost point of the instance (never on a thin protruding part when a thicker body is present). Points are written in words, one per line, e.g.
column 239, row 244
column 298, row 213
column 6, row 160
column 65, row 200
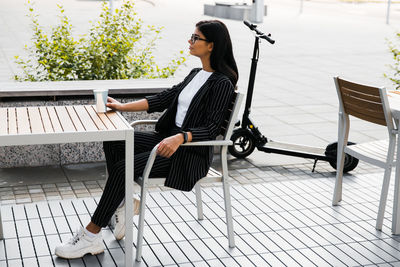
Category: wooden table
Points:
column 71, row 124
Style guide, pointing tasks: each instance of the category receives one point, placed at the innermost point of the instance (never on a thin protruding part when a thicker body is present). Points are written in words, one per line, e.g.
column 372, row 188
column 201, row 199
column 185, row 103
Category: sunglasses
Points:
column 195, row 37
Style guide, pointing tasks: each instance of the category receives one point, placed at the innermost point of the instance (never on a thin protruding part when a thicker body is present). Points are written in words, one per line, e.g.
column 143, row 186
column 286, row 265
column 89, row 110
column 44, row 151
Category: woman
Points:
column 194, row 111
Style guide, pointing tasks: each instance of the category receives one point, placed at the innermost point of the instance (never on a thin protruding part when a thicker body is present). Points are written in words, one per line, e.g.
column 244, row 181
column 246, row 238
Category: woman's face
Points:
column 198, row 46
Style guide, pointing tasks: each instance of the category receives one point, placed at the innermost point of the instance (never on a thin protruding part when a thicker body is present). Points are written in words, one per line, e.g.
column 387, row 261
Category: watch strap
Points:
column 185, row 137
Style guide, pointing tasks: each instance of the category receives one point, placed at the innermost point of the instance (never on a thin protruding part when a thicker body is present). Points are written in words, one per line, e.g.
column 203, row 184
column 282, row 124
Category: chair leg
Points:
column 385, row 184
column 199, row 202
column 141, row 222
column 383, row 199
column 342, row 141
column 227, row 197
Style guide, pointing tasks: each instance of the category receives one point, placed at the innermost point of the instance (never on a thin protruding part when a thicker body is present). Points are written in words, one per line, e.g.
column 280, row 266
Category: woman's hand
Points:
column 113, row 104
column 169, row 145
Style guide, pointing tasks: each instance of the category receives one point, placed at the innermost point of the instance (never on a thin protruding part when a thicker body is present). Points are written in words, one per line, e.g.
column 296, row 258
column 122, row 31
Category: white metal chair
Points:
column 212, row 176
column 369, row 104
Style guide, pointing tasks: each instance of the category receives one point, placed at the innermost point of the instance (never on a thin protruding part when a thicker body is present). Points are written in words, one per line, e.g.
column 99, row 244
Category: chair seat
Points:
column 212, row 176
column 374, row 152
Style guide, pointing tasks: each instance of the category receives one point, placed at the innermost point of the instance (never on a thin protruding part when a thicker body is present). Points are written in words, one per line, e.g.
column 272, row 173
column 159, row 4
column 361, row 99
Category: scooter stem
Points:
column 252, row 78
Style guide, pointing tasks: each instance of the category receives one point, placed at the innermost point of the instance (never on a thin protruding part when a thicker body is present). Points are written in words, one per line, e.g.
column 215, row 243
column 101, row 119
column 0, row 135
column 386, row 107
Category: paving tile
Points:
column 163, row 256
column 229, row 262
column 355, row 255
column 286, row 259
column 327, row 256
column 375, row 259
column 342, row 255
column 14, row 263
column 188, row 250
column 380, row 251
column 175, row 252
column 12, row 249
column 272, row 259
column 314, row 257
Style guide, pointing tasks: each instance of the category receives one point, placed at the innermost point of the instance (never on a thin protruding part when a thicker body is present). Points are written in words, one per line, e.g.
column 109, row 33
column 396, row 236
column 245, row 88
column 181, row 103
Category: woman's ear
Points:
column 210, row 46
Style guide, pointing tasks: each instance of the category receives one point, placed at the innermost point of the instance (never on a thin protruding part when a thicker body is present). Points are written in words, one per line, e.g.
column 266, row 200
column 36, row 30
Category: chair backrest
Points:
column 364, row 102
column 231, row 115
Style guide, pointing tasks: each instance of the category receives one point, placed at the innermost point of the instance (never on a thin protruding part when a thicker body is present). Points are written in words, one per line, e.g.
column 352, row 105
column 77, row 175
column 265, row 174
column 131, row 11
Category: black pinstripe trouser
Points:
column 114, row 191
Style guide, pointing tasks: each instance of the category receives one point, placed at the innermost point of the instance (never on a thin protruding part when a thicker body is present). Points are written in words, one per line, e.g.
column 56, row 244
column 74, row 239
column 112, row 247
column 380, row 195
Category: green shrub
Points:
column 395, row 67
column 117, row 46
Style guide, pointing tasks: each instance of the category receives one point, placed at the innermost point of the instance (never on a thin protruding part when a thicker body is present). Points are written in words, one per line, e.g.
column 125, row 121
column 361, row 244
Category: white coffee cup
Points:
column 100, row 96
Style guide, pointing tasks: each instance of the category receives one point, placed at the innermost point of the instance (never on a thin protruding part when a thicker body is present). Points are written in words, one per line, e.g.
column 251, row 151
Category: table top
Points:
column 58, row 119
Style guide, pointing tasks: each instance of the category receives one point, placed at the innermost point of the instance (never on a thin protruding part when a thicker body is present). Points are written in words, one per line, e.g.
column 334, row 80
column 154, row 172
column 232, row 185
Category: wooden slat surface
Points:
column 12, row 121
column 364, row 89
column 116, row 120
column 374, row 118
column 54, row 120
column 3, row 121
column 23, row 121
column 75, row 119
column 93, row 114
column 35, row 120
column 85, row 118
column 361, row 103
column 65, row 119
column 103, row 117
column 48, row 127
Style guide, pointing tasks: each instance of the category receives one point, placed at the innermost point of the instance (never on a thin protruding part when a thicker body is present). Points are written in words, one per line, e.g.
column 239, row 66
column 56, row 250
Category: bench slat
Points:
column 12, row 121
column 75, row 120
column 54, row 120
column 36, row 121
column 44, row 114
column 85, row 118
column 3, row 121
column 23, row 121
column 65, row 119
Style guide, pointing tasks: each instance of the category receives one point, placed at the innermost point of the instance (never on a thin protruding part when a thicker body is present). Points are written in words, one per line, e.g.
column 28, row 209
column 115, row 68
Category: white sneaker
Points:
column 79, row 245
column 118, row 219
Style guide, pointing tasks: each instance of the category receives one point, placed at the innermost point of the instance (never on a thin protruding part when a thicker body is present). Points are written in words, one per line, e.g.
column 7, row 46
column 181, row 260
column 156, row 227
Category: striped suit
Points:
column 203, row 119
column 187, row 165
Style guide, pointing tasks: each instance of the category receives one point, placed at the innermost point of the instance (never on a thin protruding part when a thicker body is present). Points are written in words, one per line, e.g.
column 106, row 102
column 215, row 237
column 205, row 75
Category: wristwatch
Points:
column 185, row 137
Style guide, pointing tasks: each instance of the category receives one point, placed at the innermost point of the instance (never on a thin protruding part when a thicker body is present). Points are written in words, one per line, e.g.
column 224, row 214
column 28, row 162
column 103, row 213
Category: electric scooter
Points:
column 246, row 137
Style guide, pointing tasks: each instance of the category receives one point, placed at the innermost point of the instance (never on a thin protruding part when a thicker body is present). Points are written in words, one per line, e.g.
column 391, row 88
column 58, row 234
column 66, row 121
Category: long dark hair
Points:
column 221, row 58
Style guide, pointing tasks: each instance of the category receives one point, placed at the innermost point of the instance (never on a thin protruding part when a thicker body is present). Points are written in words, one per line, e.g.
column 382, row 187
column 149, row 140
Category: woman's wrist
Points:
column 181, row 138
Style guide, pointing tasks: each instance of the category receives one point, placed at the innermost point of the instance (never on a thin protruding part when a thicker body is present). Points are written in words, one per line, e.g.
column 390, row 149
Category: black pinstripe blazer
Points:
column 203, row 119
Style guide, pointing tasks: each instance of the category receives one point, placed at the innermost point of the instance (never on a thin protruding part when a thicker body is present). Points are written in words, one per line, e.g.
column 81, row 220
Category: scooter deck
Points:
column 294, row 150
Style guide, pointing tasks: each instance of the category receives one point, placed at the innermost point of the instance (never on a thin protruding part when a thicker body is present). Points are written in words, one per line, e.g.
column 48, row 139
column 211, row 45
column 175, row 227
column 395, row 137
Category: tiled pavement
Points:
column 287, row 221
column 25, row 185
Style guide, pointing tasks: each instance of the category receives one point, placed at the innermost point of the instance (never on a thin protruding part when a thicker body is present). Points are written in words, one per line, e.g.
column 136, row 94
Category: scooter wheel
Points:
column 350, row 162
column 243, row 143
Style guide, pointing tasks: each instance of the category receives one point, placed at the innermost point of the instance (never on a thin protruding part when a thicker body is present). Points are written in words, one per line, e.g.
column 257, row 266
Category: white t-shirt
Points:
column 187, row 94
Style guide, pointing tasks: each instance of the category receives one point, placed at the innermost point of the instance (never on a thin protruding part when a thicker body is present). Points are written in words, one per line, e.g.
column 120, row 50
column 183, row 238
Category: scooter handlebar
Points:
column 253, row 27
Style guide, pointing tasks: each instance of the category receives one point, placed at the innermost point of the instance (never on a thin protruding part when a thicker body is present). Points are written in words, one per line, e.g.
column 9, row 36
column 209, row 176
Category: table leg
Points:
column 128, row 198
column 396, row 200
